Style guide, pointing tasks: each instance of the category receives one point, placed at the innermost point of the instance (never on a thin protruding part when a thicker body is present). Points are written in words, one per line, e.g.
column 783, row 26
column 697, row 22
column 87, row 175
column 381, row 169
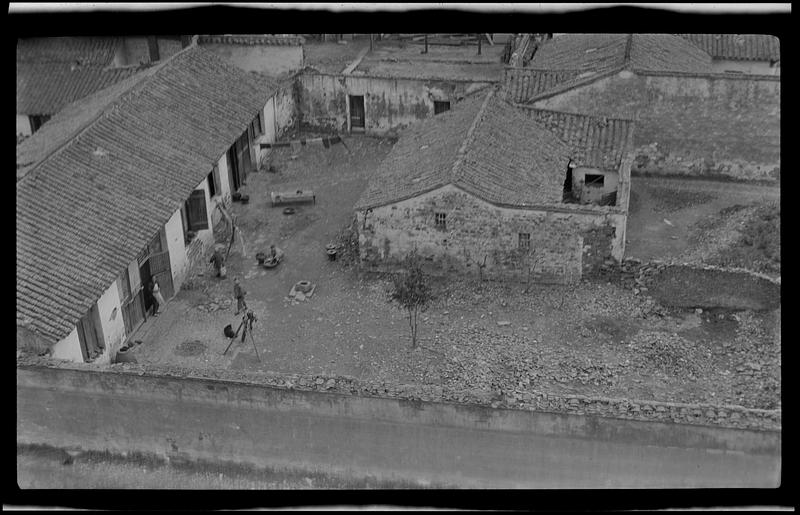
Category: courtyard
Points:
column 593, row 339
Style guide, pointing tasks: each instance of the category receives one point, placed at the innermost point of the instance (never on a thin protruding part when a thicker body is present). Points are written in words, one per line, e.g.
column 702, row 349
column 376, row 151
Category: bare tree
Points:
column 411, row 291
column 529, row 258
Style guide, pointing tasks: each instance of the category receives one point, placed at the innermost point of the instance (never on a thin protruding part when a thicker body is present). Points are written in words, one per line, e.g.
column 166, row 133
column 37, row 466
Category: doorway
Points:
column 357, row 112
column 239, row 162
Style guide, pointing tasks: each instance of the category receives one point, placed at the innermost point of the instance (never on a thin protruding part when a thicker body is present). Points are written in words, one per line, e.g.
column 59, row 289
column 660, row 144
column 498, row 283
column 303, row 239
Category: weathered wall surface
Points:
column 177, row 249
column 389, row 104
column 692, row 125
column 465, row 445
column 286, row 117
column 267, row 59
column 23, row 125
column 112, row 323
column 568, row 244
column 69, row 348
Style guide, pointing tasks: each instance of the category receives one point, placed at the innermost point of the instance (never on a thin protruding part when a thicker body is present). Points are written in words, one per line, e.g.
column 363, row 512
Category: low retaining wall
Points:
column 131, row 408
column 698, row 286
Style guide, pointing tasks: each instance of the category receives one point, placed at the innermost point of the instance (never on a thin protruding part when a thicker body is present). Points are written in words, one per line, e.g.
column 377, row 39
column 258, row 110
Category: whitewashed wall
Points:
column 69, row 348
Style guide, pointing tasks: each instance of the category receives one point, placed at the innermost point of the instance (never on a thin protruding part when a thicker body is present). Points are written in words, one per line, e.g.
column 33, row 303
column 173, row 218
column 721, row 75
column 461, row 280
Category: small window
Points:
column 196, row 213
column 524, row 240
column 213, row 182
column 440, row 106
column 440, row 221
column 596, row 180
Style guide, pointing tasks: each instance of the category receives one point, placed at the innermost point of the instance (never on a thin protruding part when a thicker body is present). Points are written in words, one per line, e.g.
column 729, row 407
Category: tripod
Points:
column 248, row 319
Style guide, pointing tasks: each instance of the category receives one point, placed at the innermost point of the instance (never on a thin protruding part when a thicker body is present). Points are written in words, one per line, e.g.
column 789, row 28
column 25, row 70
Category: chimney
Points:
column 152, row 45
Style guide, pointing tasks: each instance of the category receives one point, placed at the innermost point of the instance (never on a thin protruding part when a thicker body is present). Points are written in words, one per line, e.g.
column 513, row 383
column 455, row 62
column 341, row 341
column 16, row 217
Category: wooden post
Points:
column 370, row 42
column 479, row 44
column 426, row 44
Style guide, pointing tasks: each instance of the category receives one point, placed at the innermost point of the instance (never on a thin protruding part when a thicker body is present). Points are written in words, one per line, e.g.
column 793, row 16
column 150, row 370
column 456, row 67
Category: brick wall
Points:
column 389, row 104
column 692, row 125
column 568, row 244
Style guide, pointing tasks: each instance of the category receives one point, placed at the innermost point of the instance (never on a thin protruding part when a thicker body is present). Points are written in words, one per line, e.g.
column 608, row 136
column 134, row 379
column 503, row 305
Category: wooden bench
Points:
column 286, row 197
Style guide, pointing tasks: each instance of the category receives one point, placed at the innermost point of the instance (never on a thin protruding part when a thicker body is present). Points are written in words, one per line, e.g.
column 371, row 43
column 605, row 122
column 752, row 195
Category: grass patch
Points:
column 759, row 246
column 668, row 200
column 311, row 479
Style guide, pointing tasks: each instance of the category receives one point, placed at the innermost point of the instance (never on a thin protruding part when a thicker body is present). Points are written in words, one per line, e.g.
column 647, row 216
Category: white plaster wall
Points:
column 206, row 235
column 23, row 125
column 112, row 324
column 69, row 348
column 177, row 249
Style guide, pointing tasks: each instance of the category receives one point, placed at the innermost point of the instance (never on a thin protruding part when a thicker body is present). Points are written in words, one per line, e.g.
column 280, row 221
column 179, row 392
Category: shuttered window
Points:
column 196, row 214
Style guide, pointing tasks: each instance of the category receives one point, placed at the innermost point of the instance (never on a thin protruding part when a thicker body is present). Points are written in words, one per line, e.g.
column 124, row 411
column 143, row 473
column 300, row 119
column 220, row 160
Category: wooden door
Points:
column 160, row 270
column 357, row 112
column 233, row 174
column 90, row 334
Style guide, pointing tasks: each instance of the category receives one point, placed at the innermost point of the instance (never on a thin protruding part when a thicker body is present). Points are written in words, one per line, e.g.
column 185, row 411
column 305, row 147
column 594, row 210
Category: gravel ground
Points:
column 591, row 339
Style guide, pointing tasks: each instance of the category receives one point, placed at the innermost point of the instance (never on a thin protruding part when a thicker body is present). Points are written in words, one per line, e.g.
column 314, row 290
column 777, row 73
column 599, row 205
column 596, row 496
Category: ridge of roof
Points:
column 469, row 137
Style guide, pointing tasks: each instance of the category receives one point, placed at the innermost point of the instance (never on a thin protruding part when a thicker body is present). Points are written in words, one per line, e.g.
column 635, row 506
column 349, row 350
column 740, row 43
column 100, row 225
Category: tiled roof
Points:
column 581, row 52
column 484, row 146
column 744, row 47
column 87, row 208
column 595, row 141
column 252, row 39
column 88, row 50
column 572, row 60
column 602, row 52
column 44, row 88
column 667, row 53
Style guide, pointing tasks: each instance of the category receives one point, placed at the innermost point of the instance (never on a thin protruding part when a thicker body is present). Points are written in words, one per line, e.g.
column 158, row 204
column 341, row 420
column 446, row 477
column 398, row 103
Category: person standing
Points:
column 156, row 291
column 239, row 293
column 218, row 260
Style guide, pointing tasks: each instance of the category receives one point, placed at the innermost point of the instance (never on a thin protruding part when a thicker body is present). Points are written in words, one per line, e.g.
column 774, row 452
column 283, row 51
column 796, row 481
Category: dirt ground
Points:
column 590, row 339
column 663, row 211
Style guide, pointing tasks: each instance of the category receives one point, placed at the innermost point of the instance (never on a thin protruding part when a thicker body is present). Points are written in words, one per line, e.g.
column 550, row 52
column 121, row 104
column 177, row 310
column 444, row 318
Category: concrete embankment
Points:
column 473, row 446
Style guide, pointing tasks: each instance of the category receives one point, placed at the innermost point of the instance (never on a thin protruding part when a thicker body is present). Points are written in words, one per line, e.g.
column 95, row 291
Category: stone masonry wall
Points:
column 389, row 104
column 568, row 245
column 691, row 125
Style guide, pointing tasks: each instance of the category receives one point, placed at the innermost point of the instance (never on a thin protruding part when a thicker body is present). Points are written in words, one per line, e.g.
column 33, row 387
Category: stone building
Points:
column 394, row 85
column 489, row 188
column 122, row 186
column 691, row 119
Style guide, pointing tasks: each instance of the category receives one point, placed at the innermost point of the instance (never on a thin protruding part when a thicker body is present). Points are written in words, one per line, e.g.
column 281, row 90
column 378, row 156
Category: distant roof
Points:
column 744, row 47
column 484, row 146
column 87, row 50
column 595, row 141
column 253, row 39
column 93, row 199
column 571, row 60
column 602, row 52
column 44, row 88
column 55, row 71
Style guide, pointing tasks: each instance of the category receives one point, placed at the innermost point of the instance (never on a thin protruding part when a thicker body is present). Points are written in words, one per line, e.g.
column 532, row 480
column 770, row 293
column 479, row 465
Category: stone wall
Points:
column 709, row 125
column 568, row 244
column 389, row 103
column 688, row 285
